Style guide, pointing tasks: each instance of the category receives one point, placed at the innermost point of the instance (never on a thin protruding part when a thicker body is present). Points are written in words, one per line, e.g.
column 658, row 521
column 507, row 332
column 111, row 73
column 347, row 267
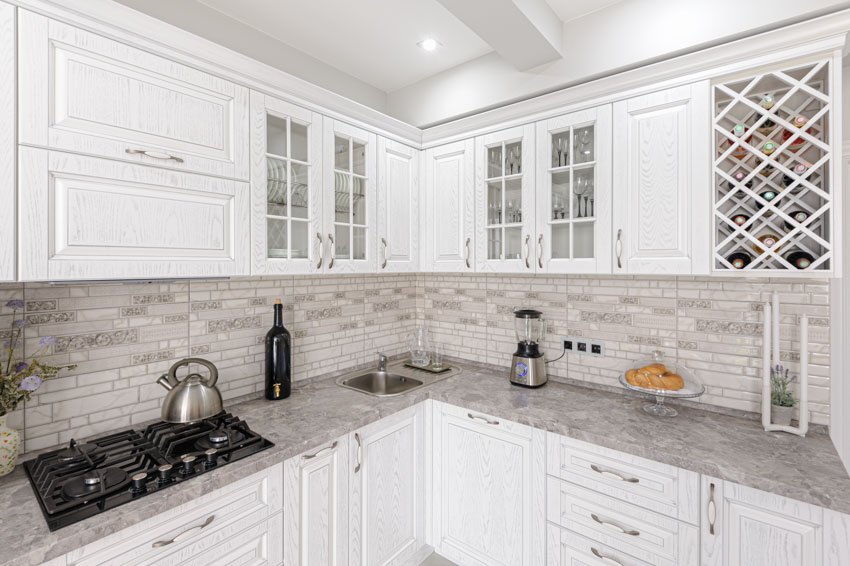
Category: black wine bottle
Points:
column 278, row 358
column 740, row 219
column 738, row 177
column 740, row 260
column 799, row 217
column 799, row 259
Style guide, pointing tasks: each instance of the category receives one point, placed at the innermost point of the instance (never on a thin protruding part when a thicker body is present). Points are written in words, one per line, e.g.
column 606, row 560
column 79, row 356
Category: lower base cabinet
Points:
column 565, row 548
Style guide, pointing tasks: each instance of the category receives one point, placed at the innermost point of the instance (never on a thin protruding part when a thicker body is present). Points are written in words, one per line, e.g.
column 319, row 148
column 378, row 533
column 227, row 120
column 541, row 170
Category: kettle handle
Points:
column 210, row 381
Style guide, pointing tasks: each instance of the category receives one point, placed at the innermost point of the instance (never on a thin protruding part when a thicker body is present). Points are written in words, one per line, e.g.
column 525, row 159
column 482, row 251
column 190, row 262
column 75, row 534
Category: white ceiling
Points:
column 571, row 9
column 373, row 40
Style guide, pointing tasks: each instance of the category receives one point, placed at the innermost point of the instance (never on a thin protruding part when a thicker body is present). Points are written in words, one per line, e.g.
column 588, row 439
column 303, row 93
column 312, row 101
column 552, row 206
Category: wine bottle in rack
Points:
column 767, row 170
column 799, row 216
column 798, row 121
column 767, row 195
column 739, row 176
column 768, row 148
column 799, row 259
column 768, row 125
column 739, row 152
column 768, row 240
column 740, row 219
column 739, row 260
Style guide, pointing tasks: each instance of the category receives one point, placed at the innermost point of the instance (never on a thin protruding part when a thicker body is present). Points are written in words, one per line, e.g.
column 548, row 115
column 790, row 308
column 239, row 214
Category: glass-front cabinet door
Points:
column 350, row 196
column 286, row 199
column 504, row 201
column 574, row 192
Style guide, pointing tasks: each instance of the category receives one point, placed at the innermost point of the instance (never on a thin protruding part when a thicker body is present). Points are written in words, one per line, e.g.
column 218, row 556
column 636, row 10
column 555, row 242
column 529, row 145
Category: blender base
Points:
column 528, row 372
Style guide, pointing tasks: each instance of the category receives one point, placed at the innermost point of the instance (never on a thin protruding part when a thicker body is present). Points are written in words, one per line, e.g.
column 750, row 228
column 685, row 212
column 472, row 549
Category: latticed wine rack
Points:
column 773, row 196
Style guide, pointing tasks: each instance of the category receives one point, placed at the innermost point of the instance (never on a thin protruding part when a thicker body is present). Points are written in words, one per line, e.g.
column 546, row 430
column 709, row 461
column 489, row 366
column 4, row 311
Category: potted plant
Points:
column 18, row 379
column 781, row 397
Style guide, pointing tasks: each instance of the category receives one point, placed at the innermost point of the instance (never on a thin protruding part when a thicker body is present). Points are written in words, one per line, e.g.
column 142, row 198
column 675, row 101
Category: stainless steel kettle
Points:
column 193, row 398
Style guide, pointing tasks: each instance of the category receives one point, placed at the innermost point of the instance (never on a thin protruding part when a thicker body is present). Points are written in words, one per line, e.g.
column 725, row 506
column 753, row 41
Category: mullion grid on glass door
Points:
column 286, row 218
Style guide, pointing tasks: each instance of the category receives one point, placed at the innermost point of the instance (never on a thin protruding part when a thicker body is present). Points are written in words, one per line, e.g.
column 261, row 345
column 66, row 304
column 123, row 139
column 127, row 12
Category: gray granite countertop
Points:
column 727, row 447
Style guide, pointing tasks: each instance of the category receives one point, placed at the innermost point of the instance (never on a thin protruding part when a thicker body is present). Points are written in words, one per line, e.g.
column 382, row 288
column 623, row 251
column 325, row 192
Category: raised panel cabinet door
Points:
column 7, row 142
column 89, row 218
column 489, row 489
column 743, row 526
column 661, row 214
column 505, row 201
column 398, row 207
column 387, row 490
column 286, row 188
column 350, row 198
column 315, row 506
column 88, row 94
column 448, row 223
column 574, row 192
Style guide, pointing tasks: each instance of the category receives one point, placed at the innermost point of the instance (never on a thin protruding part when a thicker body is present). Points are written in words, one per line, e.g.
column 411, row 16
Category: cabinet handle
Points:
column 712, row 510
column 359, row 452
column 322, row 451
column 601, row 556
column 618, row 248
column 154, row 154
column 321, row 251
column 614, row 475
column 540, row 251
column 185, row 534
column 480, row 418
column 527, row 251
column 467, row 253
column 614, row 526
column 332, row 247
column 384, row 265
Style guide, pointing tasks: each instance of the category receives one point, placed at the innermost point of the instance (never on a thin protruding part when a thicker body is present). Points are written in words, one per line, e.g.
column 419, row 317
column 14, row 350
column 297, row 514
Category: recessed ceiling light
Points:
column 429, row 44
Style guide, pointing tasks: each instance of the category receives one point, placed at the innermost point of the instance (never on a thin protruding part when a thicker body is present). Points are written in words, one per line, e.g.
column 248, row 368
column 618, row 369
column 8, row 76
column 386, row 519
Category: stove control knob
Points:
column 164, row 473
column 210, row 458
column 188, row 465
column 139, row 480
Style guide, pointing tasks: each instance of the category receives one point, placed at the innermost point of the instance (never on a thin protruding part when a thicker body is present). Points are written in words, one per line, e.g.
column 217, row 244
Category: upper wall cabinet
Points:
column 448, row 222
column 7, row 142
column 574, row 192
column 661, row 182
column 504, row 201
column 350, row 201
column 286, row 188
column 398, row 207
column 84, row 93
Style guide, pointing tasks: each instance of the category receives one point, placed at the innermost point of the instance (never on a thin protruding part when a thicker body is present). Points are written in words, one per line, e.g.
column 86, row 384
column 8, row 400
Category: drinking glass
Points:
column 437, row 356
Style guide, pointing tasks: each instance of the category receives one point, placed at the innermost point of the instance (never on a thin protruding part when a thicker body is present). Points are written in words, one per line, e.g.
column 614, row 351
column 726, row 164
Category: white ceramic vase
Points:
column 781, row 415
column 9, row 440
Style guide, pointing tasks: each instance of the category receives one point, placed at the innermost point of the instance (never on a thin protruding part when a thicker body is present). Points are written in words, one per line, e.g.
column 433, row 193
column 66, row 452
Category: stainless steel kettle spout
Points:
column 163, row 380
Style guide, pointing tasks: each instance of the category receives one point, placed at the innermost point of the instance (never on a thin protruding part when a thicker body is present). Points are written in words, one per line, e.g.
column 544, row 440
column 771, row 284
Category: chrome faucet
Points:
column 382, row 362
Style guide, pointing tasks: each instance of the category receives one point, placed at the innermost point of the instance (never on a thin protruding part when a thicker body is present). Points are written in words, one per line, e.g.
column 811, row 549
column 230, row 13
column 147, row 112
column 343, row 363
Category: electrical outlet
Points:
column 581, row 347
column 584, row 347
column 597, row 348
column 568, row 345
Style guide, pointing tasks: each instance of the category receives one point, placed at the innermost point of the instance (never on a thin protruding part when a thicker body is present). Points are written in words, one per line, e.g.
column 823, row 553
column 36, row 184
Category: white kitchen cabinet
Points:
column 286, row 188
column 315, row 513
column 505, row 201
column 84, row 93
column 398, row 207
column 662, row 179
column 7, row 142
column 565, row 548
column 350, row 198
column 89, row 218
column 574, row 192
column 489, row 489
column 387, row 490
column 448, row 221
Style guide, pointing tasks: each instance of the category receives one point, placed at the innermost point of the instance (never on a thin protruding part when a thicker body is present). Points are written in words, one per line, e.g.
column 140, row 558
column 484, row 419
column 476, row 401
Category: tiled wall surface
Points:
column 125, row 336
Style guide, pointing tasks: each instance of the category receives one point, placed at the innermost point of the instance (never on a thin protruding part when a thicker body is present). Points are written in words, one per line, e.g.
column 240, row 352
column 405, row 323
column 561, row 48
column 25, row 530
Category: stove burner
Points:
column 220, row 439
column 218, row 436
column 76, row 454
column 93, row 483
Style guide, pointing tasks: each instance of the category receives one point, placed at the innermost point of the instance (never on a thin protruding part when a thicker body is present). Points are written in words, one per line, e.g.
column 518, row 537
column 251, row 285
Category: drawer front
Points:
column 85, row 93
column 89, row 218
column 569, row 549
column 247, row 502
column 661, row 488
column 635, row 531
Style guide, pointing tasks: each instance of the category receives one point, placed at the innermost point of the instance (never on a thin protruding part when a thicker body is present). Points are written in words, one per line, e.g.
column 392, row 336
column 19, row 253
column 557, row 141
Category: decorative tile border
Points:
column 51, row 317
column 728, row 327
column 228, row 324
column 153, row 299
column 606, row 317
column 96, row 340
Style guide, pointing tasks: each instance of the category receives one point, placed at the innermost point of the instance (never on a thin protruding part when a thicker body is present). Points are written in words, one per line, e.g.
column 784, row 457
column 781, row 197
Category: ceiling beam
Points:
column 526, row 33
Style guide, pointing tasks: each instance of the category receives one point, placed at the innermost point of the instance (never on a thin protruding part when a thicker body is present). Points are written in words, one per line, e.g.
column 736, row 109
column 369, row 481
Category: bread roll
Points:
column 654, row 369
column 637, row 378
column 673, row 381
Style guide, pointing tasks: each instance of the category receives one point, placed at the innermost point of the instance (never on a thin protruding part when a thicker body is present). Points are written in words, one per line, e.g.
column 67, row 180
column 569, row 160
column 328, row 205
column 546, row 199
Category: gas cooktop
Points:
column 82, row 480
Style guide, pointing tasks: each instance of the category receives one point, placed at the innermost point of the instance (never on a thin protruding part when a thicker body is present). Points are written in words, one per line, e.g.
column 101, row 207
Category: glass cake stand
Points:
column 692, row 389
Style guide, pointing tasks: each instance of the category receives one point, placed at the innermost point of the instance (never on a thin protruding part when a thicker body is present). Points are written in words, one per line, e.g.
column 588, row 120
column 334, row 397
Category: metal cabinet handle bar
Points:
column 321, row 251
column 185, row 534
column 480, row 418
column 540, row 251
column 601, row 556
column 154, row 154
column 614, row 526
column 527, row 251
column 468, row 240
column 359, row 451
column 384, row 241
column 332, row 247
column 614, row 475
column 712, row 511
column 322, row 451
column 619, row 249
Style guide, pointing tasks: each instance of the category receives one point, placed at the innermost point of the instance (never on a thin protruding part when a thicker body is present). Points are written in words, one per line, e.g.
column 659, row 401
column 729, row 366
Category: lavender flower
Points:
column 31, row 383
column 21, row 366
column 46, row 341
column 15, row 304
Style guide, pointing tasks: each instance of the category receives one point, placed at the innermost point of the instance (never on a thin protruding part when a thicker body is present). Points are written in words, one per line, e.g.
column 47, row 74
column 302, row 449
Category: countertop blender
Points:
column 528, row 367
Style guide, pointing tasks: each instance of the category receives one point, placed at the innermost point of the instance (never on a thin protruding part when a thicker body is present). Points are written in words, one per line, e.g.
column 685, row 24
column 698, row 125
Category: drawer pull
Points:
column 185, row 534
column 712, row 512
column 613, row 475
column 614, row 526
column 322, row 451
column 480, row 418
column 601, row 556
column 154, row 154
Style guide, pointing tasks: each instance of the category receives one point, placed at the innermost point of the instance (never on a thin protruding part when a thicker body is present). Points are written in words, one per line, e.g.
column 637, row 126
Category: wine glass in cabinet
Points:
column 573, row 217
column 504, row 201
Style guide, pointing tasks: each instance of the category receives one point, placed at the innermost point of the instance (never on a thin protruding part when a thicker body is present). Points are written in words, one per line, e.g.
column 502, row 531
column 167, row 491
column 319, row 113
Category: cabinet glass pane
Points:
column 513, row 243
column 359, row 155
column 342, row 197
column 561, row 149
column 300, row 144
column 561, row 241
column 583, row 240
column 276, row 189
column 561, row 196
column 276, row 235
column 300, row 239
column 494, row 243
column 513, row 158
column 341, row 154
column 584, row 145
column 342, row 245
column 358, row 198
column 276, row 135
column 494, row 162
column 300, row 175
column 583, row 190
column 513, row 201
column 359, row 243
column 494, row 202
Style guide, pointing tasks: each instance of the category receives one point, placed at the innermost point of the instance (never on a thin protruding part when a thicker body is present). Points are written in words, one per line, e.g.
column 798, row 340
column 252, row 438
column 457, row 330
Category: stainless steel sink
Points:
column 381, row 383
